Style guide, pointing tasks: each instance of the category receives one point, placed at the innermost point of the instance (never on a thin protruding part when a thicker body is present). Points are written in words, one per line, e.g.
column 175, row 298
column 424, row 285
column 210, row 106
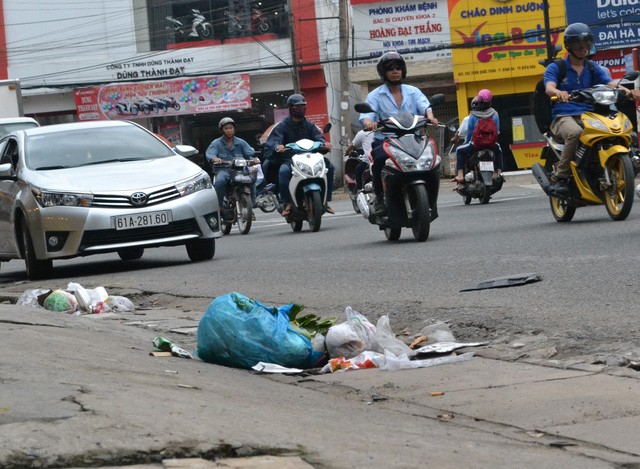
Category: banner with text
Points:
column 615, row 23
column 162, row 98
column 505, row 39
column 414, row 28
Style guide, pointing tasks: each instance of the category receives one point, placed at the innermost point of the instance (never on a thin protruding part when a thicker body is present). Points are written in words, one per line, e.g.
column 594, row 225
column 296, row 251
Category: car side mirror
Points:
column 186, row 150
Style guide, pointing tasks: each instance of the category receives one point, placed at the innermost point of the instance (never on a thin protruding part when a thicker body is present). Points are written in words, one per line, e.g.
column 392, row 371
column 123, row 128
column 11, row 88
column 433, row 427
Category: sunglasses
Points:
column 392, row 67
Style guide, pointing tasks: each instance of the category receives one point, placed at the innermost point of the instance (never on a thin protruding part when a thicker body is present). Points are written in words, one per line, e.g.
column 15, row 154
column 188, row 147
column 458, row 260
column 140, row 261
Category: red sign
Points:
column 168, row 97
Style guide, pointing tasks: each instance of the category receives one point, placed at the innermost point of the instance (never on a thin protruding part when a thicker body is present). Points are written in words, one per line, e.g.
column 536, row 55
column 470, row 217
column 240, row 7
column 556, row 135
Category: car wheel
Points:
column 130, row 254
column 201, row 249
column 36, row 269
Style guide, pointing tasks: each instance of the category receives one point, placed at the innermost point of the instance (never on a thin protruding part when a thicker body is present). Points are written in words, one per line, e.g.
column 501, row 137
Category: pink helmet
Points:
column 484, row 96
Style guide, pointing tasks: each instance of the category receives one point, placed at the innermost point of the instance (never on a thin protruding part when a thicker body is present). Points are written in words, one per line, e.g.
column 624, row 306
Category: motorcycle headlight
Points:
column 198, row 183
column 310, row 171
column 426, row 159
column 62, row 199
column 403, row 159
column 626, row 125
column 596, row 124
column 606, row 97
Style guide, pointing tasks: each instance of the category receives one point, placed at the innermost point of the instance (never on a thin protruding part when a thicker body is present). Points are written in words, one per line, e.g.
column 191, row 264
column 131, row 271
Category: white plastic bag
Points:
column 388, row 341
column 352, row 337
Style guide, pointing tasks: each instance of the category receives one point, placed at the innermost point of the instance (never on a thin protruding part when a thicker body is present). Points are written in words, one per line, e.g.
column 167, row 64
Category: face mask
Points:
column 297, row 111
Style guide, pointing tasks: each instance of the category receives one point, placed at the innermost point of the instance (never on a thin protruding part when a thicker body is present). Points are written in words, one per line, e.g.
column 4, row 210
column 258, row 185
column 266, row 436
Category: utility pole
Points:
column 547, row 28
column 345, row 115
column 294, row 50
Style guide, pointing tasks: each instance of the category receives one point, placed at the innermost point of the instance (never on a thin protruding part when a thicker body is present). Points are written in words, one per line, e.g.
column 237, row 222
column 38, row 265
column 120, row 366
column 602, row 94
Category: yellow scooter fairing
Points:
column 598, row 127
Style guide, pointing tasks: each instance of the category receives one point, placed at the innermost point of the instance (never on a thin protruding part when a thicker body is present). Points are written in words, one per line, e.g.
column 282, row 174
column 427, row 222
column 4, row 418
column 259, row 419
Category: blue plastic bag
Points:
column 239, row 332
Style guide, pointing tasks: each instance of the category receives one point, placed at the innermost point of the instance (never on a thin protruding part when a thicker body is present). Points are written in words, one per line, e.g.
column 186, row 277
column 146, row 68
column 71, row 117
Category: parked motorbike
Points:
column 234, row 25
column 127, row 107
column 259, row 23
column 410, row 177
column 147, row 105
column 267, row 200
column 351, row 162
column 237, row 206
column 602, row 171
column 479, row 182
column 308, row 185
column 198, row 29
column 164, row 104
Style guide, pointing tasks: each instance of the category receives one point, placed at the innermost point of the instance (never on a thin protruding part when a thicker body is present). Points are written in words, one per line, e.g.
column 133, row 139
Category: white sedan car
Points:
column 78, row 189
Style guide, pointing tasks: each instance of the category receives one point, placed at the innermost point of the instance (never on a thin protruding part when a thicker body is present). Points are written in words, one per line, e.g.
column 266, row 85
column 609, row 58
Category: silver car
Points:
column 85, row 188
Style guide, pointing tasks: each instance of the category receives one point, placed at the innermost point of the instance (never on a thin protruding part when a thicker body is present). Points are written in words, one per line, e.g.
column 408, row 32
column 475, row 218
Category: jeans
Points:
column 284, row 177
column 464, row 152
column 222, row 182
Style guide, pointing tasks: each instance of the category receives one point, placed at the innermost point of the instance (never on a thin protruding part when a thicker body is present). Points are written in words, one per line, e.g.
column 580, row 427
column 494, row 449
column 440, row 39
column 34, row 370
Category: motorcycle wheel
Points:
column 562, row 212
column 421, row 216
column 225, row 228
column 486, row 194
column 134, row 110
column 467, row 199
column 176, row 106
column 267, row 202
column 392, row 234
column 264, row 27
column 619, row 197
column 205, row 31
column 314, row 210
column 354, row 201
column 244, row 213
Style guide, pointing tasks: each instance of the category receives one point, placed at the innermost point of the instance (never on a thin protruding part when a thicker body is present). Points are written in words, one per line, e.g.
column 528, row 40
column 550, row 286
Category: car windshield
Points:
column 90, row 146
column 6, row 129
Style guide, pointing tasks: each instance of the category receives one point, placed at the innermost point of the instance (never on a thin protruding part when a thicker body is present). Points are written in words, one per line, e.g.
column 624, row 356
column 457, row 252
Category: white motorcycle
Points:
column 199, row 28
column 308, row 185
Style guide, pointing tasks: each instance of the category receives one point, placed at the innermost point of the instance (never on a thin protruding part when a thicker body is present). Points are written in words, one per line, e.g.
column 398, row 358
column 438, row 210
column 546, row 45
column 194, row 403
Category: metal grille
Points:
column 105, row 237
column 122, row 201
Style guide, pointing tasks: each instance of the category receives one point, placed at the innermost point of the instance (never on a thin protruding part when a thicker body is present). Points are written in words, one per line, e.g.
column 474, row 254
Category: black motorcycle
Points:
column 479, row 182
column 236, row 206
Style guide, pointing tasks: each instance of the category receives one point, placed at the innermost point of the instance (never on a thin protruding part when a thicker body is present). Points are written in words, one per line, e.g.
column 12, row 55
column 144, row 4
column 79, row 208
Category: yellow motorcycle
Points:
column 602, row 171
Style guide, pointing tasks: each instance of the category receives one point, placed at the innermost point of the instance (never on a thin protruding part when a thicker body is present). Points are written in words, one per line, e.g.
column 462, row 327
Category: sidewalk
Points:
column 83, row 390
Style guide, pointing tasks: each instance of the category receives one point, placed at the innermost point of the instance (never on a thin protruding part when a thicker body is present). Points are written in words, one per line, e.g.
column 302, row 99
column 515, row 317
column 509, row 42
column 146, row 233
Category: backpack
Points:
column 485, row 133
column 541, row 102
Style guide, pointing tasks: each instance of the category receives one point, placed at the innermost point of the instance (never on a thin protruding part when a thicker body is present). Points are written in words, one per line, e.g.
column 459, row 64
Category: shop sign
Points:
column 416, row 29
column 164, row 98
column 498, row 39
column 615, row 23
column 614, row 60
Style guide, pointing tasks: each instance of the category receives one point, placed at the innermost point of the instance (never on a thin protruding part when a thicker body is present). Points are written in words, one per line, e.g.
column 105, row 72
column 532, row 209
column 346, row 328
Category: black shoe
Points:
column 379, row 208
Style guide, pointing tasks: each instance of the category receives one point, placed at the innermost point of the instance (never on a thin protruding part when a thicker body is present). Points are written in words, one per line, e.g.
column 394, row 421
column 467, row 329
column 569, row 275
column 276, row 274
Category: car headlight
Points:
column 201, row 182
column 62, row 199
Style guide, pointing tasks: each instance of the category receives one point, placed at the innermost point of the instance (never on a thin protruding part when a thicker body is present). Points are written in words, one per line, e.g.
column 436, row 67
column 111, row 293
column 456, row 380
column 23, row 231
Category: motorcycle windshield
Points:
column 412, row 145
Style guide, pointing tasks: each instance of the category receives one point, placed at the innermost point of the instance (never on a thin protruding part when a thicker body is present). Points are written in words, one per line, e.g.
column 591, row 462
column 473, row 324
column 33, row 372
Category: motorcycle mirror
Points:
column 452, row 127
column 436, row 99
column 631, row 76
column 362, row 108
column 326, row 128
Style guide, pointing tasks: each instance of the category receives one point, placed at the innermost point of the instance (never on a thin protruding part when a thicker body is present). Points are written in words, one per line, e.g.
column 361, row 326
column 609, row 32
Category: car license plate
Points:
column 486, row 165
column 142, row 220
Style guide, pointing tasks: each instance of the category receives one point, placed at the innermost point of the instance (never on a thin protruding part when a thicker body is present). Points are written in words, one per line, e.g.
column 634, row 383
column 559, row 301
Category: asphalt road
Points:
column 586, row 303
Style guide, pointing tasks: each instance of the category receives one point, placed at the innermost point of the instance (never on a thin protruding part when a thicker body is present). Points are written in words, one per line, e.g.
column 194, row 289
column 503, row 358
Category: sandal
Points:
column 287, row 210
column 329, row 209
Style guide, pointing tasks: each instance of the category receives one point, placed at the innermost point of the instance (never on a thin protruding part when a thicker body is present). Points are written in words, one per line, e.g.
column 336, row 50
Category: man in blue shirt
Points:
column 225, row 149
column 581, row 73
column 387, row 100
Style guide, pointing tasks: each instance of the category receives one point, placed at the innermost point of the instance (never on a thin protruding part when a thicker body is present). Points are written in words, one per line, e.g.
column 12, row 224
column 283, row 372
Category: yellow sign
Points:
column 501, row 38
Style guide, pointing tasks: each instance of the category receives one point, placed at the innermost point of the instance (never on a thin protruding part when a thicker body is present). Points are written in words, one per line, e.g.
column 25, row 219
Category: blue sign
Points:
column 615, row 23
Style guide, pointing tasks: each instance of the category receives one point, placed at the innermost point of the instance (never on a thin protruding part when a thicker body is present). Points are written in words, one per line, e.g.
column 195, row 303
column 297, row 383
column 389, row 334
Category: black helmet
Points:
column 224, row 121
column 385, row 59
column 576, row 33
column 296, row 100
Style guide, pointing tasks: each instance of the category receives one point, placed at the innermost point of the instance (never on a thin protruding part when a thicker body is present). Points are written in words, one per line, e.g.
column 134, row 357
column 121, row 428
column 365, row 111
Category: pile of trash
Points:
column 240, row 332
column 76, row 299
